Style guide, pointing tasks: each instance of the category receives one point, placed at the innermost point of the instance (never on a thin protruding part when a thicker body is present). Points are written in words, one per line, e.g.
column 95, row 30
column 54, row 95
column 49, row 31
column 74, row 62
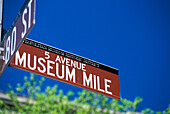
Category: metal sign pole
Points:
column 1, row 18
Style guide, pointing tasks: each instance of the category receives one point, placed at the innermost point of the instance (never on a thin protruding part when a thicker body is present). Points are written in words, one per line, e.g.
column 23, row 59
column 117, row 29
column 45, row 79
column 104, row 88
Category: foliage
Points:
column 54, row 101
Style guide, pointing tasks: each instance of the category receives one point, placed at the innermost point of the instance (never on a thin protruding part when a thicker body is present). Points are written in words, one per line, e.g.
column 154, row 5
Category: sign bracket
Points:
column 2, row 56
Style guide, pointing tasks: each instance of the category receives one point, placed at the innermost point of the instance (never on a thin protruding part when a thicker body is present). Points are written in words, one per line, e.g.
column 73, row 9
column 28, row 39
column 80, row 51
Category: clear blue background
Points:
column 133, row 36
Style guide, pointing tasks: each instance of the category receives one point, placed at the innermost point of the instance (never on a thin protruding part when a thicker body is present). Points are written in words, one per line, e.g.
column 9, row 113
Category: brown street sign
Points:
column 18, row 31
column 60, row 65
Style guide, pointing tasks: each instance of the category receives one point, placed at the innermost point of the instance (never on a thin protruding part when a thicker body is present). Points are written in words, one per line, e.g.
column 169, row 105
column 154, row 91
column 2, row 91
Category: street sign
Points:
column 18, row 31
column 60, row 65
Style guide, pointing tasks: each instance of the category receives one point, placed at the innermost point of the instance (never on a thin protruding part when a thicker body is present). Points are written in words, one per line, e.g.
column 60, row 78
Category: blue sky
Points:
column 132, row 36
